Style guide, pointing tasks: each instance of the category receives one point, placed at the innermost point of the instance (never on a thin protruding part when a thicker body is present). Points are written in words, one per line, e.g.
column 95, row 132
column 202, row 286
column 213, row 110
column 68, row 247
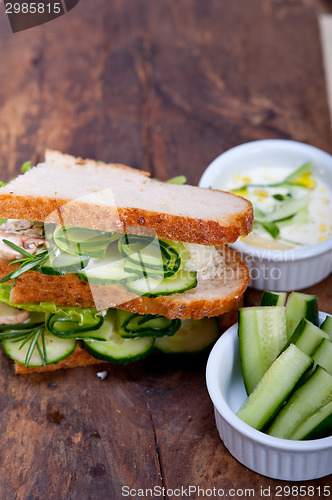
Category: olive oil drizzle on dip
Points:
column 293, row 207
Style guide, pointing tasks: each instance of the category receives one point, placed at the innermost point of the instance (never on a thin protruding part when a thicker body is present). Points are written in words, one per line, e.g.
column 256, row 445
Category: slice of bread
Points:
column 91, row 194
column 211, row 297
column 81, row 357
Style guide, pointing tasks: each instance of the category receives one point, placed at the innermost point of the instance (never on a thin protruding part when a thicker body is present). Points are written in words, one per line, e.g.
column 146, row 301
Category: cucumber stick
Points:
column 274, row 388
column 310, row 397
column 273, row 299
column 327, row 326
column 323, row 355
column 307, row 336
column 262, row 335
column 317, row 425
column 300, row 305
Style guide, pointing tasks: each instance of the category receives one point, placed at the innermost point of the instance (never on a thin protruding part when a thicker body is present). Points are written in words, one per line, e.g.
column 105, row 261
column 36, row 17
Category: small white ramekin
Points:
column 276, row 270
column 273, row 457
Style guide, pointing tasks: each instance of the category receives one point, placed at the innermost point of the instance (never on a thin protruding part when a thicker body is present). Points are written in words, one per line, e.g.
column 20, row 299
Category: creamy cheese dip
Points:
column 310, row 226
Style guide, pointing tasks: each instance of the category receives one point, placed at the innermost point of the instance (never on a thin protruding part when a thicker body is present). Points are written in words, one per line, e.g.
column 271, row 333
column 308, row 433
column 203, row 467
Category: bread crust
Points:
column 126, row 219
column 219, row 226
column 210, row 298
column 80, row 357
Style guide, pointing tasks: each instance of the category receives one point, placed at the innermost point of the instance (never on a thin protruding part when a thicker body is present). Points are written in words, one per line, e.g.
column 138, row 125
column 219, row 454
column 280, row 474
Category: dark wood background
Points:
column 165, row 86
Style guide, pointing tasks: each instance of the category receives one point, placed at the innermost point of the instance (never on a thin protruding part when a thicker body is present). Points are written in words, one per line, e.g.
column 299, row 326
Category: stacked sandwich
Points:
column 101, row 263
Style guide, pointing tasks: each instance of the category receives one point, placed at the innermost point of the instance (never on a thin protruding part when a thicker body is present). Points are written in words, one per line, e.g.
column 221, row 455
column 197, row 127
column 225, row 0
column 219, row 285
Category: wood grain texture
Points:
column 165, row 86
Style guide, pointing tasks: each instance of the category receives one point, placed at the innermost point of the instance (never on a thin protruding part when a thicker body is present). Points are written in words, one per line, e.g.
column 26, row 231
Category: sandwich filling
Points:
column 145, row 265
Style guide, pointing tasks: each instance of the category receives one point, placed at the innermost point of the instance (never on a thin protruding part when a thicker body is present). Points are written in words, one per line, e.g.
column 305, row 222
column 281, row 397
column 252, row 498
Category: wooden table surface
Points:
column 165, row 86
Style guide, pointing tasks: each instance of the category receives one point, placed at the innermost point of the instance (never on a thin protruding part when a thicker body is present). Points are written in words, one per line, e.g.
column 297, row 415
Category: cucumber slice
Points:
column 193, row 336
column 300, row 305
column 131, row 325
column 64, row 263
column 298, row 219
column 65, row 327
column 150, row 287
column 153, row 254
column 307, row 336
column 323, row 355
column 117, row 349
column 262, row 335
column 304, row 169
column 317, row 425
column 56, row 350
column 273, row 299
column 274, row 388
column 81, row 241
column 287, row 209
column 107, row 271
column 312, row 395
column 327, row 326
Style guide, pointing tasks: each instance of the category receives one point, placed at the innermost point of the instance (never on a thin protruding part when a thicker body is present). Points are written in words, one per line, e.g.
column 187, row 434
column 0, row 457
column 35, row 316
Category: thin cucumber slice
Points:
column 193, row 336
column 300, row 305
column 152, row 254
column 150, row 287
column 312, row 395
column 327, row 326
column 65, row 327
column 107, row 271
column 56, row 350
column 282, row 185
column 323, row 355
column 317, row 425
column 307, row 336
column 117, row 349
column 262, row 335
column 274, row 388
column 273, row 299
column 64, row 263
column 287, row 209
column 131, row 325
column 304, row 169
column 81, row 241
column 298, row 219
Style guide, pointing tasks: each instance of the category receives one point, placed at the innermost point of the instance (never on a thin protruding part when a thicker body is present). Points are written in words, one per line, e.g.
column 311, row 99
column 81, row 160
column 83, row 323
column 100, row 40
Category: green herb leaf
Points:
column 26, row 166
column 179, row 179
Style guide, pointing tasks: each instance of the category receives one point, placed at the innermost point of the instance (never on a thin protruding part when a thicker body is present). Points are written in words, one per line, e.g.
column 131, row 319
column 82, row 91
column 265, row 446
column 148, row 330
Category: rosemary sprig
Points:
column 27, row 263
column 24, row 333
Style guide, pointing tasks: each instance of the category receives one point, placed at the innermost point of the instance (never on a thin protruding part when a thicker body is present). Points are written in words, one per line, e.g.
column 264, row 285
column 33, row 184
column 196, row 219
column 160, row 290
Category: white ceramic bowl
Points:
column 276, row 270
column 273, row 457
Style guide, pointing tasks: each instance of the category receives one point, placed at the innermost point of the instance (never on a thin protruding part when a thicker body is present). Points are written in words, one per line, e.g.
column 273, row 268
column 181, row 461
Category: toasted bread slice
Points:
column 91, row 194
column 211, row 297
column 81, row 357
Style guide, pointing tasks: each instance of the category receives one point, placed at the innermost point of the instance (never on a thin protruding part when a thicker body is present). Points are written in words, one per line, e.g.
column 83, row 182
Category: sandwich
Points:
column 100, row 263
